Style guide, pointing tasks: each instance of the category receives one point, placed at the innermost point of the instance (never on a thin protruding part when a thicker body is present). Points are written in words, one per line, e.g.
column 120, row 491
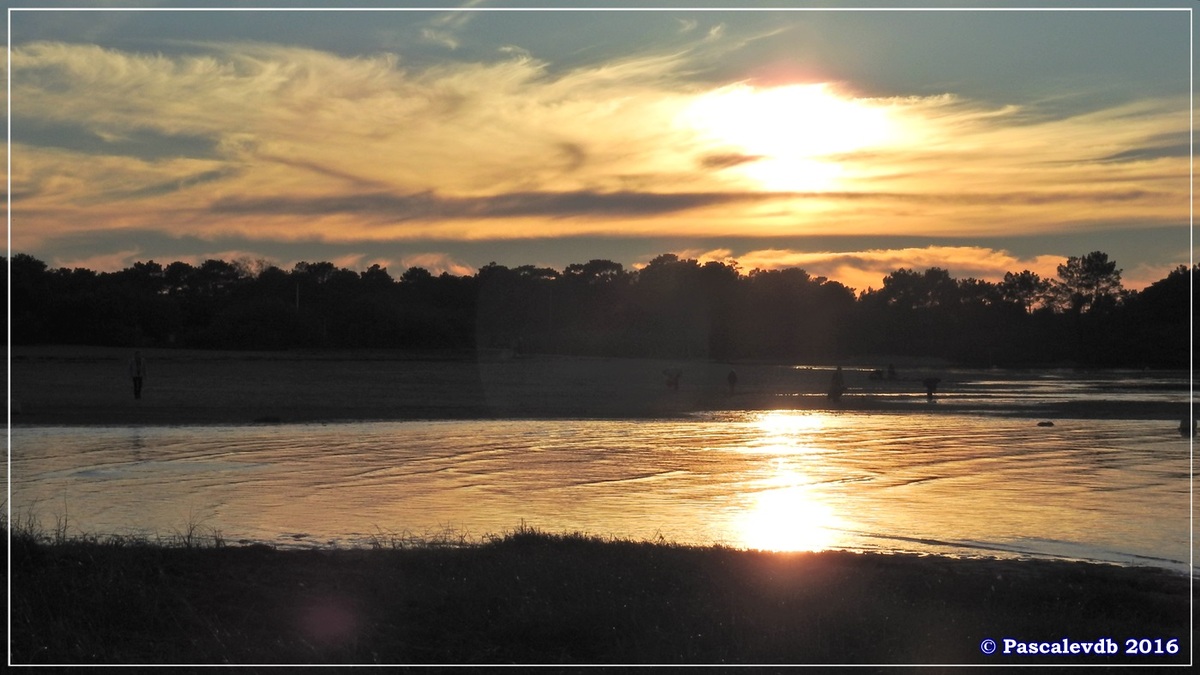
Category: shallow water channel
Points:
column 960, row 484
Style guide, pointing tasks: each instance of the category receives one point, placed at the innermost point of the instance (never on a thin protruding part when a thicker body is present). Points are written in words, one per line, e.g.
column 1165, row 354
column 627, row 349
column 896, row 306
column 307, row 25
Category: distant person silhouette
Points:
column 673, row 375
column 837, row 385
column 1187, row 427
column 137, row 371
column 891, row 372
column 731, row 378
column 931, row 384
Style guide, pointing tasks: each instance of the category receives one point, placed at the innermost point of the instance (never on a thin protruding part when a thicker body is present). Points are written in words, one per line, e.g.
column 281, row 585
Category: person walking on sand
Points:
column 731, row 378
column 137, row 371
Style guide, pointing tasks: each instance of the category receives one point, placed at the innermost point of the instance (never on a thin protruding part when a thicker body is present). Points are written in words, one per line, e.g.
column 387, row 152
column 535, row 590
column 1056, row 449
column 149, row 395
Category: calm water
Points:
column 954, row 484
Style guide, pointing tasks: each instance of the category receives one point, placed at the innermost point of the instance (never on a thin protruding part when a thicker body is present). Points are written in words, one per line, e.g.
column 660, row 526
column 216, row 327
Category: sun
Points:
column 786, row 138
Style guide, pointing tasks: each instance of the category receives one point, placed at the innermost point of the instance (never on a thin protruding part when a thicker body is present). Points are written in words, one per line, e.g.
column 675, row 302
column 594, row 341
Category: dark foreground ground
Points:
column 531, row 598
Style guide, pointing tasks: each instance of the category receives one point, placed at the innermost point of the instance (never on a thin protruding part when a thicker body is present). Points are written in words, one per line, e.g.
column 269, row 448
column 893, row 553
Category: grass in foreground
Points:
column 537, row 598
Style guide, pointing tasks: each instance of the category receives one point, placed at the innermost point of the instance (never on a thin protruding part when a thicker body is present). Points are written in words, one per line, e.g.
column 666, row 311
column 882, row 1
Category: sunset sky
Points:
column 849, row 143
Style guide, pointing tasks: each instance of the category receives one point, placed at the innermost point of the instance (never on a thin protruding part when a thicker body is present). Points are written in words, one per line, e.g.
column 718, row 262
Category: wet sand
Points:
column 91, row 386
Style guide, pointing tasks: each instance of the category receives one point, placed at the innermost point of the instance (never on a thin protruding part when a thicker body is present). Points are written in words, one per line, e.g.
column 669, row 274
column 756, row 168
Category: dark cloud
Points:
column 146, row 191
column 725, row 161
column 430, row 206
column 982, row 198
column 584, row 203
column 574, row 155
column 330, row 172
column 1149, row 153
column 145, row 144
column 168, row 187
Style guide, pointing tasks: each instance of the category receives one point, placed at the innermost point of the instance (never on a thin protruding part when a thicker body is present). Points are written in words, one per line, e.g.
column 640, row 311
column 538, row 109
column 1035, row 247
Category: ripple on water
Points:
column 1112, row 490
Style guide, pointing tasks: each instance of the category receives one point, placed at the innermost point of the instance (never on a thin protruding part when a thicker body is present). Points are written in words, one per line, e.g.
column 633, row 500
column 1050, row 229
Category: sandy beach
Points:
column 90, row 386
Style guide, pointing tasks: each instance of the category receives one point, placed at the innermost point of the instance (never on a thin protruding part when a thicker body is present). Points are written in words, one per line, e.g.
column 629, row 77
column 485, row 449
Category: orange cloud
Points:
column 866, row 269
column 105, row 262
column 437, row 263
column 290, row 144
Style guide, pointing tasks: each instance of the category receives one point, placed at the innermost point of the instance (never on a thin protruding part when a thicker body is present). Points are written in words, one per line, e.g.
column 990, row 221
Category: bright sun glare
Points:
column 793, row 132
column 789, row 514
column 789, row 519
column 786, row 422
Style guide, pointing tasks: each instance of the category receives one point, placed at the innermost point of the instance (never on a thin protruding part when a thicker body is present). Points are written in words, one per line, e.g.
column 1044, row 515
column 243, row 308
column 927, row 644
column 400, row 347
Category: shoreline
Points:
column 529, row 597
column 88, row 386
column 535, row 598
column 106, row 417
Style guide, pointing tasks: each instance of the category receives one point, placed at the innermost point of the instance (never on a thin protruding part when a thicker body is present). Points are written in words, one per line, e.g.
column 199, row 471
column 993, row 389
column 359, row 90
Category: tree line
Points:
column 673, row 307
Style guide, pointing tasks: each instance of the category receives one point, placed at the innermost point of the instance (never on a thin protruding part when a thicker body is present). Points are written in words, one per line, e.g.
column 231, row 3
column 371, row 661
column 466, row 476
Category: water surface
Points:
column 946, row 483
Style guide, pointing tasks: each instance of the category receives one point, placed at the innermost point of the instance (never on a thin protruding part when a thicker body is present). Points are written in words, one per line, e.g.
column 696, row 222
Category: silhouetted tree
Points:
column 179, row 278
column 31, row 299
column 596, row 271
column 913, row 314
column 1168, row 299
column 719, row 284
column 671, row 317
column 1084, row 282
column 907, row 289
column 1089, row 290
column 593, row 304
column 377, row 278
column 1158, row 319
column 673, row 307
column 515, row 307
column 216, row 278
column 1025, row 289
column 416, row 276
column 148, row 277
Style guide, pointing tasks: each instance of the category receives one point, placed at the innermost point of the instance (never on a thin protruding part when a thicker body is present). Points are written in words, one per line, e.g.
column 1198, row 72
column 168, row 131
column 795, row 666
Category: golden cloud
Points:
column 102, row 262
column 866, row 269
column 285, row 143
column 437, row 263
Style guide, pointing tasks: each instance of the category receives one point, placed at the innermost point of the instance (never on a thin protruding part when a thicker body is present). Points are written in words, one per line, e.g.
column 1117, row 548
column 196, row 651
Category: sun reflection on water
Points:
column 965, row 484
column 787, row 422
column 787, row 513
column 788, row 519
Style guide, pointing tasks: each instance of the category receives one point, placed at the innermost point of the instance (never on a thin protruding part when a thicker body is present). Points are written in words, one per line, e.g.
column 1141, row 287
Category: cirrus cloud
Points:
column 286, row 144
